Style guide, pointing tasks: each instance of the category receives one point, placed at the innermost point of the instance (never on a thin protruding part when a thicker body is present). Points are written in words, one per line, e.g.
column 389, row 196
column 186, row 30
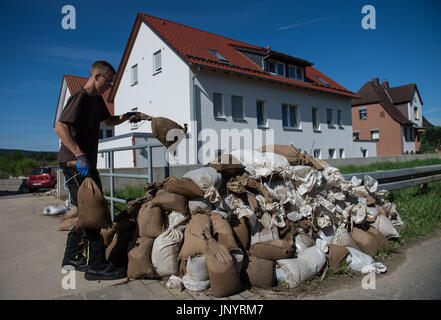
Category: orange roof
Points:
column 192, row 46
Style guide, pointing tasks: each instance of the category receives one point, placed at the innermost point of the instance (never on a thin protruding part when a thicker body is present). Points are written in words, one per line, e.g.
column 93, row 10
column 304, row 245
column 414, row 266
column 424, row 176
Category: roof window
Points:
column 217, row 55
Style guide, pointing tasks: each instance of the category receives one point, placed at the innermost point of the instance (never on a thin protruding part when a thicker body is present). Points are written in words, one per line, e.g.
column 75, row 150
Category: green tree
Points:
column 431, row 140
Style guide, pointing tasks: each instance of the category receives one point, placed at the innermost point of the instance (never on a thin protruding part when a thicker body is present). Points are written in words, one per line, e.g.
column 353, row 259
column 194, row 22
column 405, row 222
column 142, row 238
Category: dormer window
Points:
column 295, row 72
column 276, row 68
column 217, row 55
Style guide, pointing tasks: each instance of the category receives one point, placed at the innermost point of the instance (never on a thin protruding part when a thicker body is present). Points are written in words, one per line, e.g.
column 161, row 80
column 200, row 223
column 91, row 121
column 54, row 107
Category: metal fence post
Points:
column 149, row 155
column 112, row 205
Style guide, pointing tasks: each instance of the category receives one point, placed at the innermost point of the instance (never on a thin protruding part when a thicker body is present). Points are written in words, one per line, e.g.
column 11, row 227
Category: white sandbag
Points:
column 194, row 285
column 197, row 268
column 385, row 226
column 238, row 207
column 202, row 203
column 302, row 242
column 208, row 180
column 328, row 205
column 324, row 221
column 336, row 196
column 262, row 230
column 376, row 267
column 371, row 213
column 174, row 282
column 342, row 237
column 332, row 176
column 355, row 181
column 167, row 246
column 280, row 275
column 358, row 212
column 370, row 184
column 278, row 164
column 256, row 164
column 307, row 264
column 326, row 234
column 357, row 259
column 53, row 211
column 265, row 205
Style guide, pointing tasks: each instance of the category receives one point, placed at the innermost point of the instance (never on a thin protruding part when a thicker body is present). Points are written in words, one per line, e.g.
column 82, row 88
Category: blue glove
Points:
column 83, row 165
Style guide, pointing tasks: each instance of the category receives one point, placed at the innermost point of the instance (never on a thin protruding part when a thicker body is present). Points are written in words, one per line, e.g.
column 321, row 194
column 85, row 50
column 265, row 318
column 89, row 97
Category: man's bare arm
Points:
column 63, row 132
column 116, row 120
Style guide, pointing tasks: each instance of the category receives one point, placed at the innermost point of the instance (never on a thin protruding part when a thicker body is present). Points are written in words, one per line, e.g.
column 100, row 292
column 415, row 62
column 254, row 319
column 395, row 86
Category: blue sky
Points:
column 36, row 51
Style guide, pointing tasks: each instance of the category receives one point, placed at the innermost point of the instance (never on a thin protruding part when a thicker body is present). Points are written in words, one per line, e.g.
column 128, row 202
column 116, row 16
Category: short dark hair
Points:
column 102, row 66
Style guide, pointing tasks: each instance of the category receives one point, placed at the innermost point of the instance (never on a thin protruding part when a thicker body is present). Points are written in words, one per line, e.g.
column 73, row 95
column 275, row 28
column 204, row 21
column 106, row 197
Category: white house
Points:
column 226, row 89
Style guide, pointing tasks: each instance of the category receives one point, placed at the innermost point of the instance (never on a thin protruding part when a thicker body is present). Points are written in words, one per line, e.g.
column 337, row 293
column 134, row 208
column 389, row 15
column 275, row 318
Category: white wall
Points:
column 415, row 102
column 165, row 94
column 274, row 95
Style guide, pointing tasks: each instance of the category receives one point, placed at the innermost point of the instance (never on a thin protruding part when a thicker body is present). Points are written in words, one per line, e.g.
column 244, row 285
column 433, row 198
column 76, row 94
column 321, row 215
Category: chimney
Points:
column 268, row 47
column 376, row 81
column 385, row 84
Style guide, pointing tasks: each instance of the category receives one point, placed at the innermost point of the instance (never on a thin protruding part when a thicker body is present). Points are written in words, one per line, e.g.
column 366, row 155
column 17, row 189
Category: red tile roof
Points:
column 192, row 46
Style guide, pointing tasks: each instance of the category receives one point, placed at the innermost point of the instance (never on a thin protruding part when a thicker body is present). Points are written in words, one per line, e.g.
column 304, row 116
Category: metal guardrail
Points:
column 402, row 178
column 112, row 175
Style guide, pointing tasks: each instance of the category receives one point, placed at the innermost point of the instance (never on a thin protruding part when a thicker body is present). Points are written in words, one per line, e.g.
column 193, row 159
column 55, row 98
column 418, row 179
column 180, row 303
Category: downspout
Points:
column 195, row 123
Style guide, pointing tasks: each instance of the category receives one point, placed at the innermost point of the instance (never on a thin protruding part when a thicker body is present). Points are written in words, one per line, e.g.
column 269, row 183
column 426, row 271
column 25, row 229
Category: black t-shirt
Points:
column 83, row 114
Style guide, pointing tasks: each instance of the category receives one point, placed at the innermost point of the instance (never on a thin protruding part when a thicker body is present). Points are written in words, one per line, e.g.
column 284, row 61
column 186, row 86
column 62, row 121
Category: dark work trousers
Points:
column 73, row 246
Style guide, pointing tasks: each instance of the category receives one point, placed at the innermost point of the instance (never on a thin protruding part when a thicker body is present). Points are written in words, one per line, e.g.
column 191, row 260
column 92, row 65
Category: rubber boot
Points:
column 97, row 267
column 73, row 255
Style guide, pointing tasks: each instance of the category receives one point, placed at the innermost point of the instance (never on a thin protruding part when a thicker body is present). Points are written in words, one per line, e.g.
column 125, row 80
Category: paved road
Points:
column 32, row 250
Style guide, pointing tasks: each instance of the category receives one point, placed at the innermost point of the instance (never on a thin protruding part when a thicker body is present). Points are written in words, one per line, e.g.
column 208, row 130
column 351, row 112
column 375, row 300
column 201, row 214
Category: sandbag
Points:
column 161, row 126
column 273, row 250
column 184, row 187
column 260, row 272
column 293, row 155
column 336, row 256
column 208, row 180
column 199, row 203
column 385, row 227
column 167, row 245
column 227, row 166
column 93, row 211
column 68, row 225
column 241, row 232
column 117, row 251
column 343, row 238
column 168, row 201
column 357, row 259
column 150, row 221
column 107, row 234
column 238, row 258
column 303, row 241
column 365, row 241
column 378, row 236
column 308, row 263
column 140, row 264
column 222, row 231
column 262, row 230
column 72, row 213
column 224, row 278
column 194, row 238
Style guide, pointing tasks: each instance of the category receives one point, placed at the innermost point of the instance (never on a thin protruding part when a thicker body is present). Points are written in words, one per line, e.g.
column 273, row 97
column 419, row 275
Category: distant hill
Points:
column 27, row 152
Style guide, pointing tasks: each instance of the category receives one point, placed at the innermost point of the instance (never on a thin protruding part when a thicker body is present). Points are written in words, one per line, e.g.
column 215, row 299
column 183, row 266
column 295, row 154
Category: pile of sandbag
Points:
column 254, row 217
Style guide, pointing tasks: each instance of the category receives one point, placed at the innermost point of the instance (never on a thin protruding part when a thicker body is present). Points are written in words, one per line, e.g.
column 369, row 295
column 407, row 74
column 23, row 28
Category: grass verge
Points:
column 388, row 166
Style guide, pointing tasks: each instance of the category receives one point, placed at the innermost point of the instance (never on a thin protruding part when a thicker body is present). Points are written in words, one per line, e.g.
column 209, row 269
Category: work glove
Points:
column 83, row 165
column 135, row 117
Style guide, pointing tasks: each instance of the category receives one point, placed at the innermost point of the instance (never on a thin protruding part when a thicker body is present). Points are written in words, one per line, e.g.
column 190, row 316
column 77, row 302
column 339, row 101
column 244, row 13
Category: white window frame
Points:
column 358, row 135
column 340, row 118
column 296, row 71
column 290, row 108
column 275, row 69
column 264, row 115
column 341, row 153
column 155, row 55
column 317, row 119
column 330, row 122
column 359, row 113
column 317, row 153
column 242, row 107
column 222, row 110
column 416, row 114
column 331, row 154
column 378, row 134
column 133, row 71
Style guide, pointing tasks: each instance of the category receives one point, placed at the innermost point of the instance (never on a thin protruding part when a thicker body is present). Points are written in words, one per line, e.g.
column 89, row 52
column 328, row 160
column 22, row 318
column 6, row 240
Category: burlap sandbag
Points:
column 93, row 211
column 72, row 213
column 260, row 272
column 184, row 187
column 273, row 250
column 168, row 201
column 223, row 274
column 107, row 234
column 293, row 155
column 150, row 221
column 343, row 238
column 140, row 263
column 336, row 256
column 241, row 232
column 366, row 241
column 68, row 225
column 117, row 251
column 194, row 238
column 160, row 128
column 378, row 236
column 222, row 231
column 227, row 166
